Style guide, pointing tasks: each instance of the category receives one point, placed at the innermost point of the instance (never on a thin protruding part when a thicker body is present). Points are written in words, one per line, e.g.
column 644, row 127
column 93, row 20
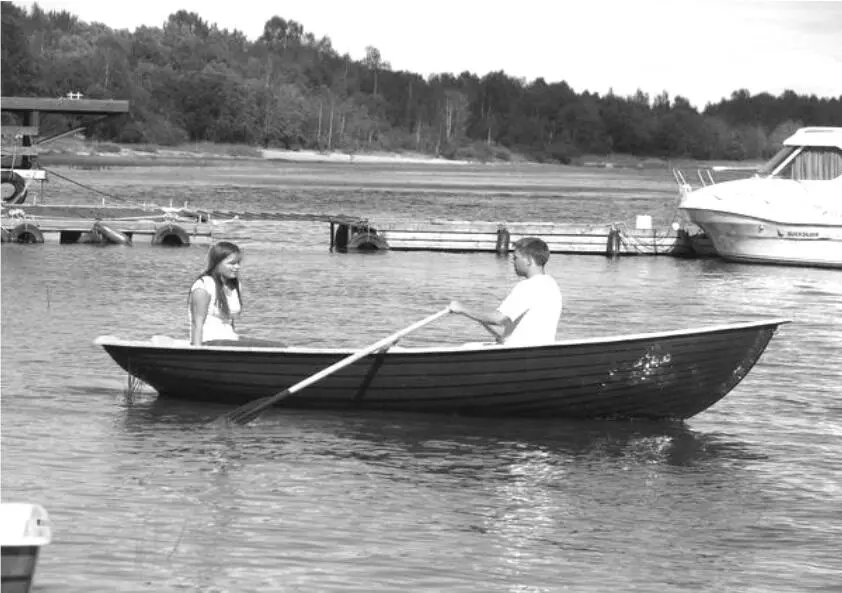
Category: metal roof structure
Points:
column 71, row 105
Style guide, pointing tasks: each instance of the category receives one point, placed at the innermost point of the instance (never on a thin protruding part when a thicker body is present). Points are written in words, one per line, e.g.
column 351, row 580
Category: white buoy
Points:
column 24, row 528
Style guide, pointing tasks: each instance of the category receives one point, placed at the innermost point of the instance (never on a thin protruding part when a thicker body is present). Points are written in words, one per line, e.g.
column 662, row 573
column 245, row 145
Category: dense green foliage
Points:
column 190, row 81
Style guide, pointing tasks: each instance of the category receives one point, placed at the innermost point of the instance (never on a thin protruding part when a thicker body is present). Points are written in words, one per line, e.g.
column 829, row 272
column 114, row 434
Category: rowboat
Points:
column 788, row 214
column 670, row 374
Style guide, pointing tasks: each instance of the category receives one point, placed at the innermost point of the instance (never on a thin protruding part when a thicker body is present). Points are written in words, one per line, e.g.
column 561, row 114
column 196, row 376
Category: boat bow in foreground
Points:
column 672, row 374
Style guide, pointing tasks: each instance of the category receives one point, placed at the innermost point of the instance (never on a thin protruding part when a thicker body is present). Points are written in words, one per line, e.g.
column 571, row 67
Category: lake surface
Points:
column 144, row 496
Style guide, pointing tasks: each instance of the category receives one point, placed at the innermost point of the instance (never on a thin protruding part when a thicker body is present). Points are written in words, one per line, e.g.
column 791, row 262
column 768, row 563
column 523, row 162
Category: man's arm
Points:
column 491, row 320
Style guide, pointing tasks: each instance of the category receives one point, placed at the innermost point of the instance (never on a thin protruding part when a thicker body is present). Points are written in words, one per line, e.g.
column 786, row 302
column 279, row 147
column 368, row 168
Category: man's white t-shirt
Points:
column 534, row 306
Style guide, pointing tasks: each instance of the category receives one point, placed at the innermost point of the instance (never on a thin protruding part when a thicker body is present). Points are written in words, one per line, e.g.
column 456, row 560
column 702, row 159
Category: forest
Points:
column 190, row 81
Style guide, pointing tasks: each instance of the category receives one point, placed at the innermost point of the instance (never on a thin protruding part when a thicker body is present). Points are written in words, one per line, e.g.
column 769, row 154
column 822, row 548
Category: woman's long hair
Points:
column 217, row 253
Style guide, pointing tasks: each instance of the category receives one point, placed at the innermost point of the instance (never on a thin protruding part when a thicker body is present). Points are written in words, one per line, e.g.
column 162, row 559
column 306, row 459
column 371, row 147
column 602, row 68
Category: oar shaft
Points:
column 251, row 410
column 387, row 341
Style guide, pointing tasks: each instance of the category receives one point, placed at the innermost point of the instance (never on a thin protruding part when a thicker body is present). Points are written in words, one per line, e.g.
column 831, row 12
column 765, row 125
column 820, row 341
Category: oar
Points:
column 491, row 329
column 248, row 412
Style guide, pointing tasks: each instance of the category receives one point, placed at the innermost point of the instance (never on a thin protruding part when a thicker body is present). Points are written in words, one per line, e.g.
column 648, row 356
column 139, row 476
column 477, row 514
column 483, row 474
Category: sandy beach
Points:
column 312, row 156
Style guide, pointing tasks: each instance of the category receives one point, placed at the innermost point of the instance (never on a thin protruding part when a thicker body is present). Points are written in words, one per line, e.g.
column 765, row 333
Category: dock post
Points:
column 503, row 236
column 30, row 119
column 613, row 247
column 332, row 240
column 342, row 237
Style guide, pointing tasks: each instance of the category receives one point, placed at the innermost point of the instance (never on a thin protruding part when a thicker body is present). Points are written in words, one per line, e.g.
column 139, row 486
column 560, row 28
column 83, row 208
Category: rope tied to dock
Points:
column 16, row 213
column 84, row 186
column 632, row 242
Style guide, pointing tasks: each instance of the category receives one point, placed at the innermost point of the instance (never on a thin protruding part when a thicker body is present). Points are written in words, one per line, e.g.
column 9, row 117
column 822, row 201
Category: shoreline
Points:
column 75, row 150
column 84, row 154
column 313, row 156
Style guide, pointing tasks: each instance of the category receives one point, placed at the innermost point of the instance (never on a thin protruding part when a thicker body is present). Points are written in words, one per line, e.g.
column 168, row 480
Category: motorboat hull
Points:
column 743, row 238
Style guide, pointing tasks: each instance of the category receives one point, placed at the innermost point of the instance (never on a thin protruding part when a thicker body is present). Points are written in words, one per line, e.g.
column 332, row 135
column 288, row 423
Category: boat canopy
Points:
column 811, row 154
column 772, row 164
column 816, row 136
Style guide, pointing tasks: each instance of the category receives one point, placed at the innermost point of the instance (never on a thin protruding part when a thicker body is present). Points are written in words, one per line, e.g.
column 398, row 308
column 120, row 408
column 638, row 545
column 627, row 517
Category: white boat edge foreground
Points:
column 24, row 529
column 789, row 213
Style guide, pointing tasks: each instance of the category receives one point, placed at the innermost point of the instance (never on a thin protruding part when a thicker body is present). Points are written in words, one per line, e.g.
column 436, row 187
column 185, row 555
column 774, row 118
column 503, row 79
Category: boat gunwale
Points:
column 753, row 218
column 113, row 341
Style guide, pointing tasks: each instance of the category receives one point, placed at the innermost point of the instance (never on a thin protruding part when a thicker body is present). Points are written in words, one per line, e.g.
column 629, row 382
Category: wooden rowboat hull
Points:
column 674, row 374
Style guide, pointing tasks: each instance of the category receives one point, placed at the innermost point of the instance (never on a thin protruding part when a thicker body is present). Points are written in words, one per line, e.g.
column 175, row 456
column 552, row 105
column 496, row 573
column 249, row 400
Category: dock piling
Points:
column 503, row 239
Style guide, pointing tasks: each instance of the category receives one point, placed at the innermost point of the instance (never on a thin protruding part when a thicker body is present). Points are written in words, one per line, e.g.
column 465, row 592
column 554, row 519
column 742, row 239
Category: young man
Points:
column 529, row 315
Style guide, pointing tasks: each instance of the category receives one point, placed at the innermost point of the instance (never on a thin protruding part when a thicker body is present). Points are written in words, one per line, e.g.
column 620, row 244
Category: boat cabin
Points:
column 811, row 154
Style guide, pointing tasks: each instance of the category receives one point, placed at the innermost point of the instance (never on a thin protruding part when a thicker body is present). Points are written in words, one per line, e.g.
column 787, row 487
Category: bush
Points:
column 158, row 130
column 474, row 151
column 241, row 150
column 562, row 152
column 151, row 148
column 502, row 153
column 107, row 147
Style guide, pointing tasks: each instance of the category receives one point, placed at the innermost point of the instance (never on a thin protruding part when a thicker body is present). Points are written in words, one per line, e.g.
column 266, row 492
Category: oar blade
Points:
column 250, row 411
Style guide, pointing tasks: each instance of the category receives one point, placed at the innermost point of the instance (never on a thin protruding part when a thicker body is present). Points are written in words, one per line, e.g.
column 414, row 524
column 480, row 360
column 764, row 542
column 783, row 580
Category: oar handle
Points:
column 387, row 341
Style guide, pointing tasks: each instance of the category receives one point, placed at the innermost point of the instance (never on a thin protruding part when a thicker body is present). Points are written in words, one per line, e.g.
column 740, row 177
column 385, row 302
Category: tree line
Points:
column 192, row 81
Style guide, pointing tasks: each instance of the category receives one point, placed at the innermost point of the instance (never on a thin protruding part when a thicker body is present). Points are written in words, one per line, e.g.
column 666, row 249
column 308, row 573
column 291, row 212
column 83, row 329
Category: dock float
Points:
column 499, row 237
column 121, row 225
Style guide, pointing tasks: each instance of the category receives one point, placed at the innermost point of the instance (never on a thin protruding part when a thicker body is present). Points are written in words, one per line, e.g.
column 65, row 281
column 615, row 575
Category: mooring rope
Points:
column 632, row 242
column 88, row 187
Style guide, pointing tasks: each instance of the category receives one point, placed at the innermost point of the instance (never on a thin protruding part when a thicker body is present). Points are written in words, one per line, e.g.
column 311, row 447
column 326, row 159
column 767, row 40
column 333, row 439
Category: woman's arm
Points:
column 199, row 303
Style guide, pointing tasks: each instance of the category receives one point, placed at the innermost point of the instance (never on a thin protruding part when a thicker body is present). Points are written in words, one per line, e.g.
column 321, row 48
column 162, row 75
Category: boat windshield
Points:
column 776, row 160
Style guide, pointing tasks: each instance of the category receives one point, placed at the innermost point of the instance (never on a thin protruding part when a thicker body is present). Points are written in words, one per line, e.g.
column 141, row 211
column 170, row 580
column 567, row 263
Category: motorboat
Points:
column 789, row 212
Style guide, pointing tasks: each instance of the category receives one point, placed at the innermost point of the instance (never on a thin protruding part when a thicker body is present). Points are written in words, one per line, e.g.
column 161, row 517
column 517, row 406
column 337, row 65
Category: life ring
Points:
column 368, row 241
column 21, row 188
column 26, row 232
column 171, row 235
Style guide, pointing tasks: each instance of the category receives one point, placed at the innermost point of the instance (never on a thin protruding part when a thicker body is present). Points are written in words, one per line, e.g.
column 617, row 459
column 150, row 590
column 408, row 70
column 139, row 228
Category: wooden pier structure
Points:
column 184, row 226
column 499, row 237
column 20, row 145
column 174, row 227
column 34, row 223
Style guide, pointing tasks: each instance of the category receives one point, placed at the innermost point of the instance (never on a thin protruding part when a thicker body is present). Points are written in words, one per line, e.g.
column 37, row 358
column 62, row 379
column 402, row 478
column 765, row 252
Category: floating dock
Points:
column 499, row 237
column 173, row 227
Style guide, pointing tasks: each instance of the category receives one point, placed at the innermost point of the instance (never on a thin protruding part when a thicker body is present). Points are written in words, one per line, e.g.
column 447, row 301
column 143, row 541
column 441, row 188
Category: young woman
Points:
column 215, row 300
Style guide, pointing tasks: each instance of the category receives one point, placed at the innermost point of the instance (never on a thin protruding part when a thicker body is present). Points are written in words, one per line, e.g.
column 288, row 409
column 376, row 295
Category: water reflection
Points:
column 537, row 496
column 438, row 443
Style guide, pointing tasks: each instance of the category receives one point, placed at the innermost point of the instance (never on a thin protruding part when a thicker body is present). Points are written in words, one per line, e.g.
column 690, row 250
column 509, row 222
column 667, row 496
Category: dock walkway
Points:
column 499, row 237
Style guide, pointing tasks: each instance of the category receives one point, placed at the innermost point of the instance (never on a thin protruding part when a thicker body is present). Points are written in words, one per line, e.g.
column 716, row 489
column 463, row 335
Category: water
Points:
column 383, row 192
column 144, row 496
